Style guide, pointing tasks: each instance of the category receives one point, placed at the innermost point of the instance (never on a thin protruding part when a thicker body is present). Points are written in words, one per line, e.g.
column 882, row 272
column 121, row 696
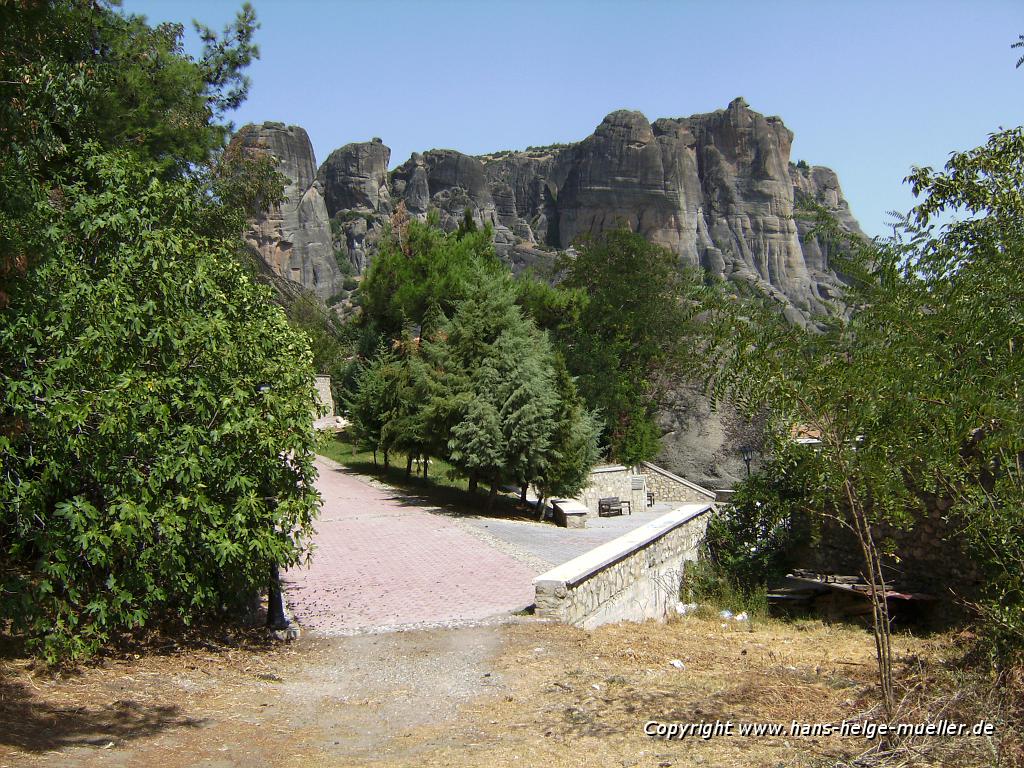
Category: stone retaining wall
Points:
column 669, row 487
column 631, row 578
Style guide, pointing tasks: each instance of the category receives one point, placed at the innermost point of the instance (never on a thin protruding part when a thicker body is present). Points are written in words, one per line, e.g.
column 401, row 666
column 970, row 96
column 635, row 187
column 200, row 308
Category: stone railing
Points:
column 631, row 578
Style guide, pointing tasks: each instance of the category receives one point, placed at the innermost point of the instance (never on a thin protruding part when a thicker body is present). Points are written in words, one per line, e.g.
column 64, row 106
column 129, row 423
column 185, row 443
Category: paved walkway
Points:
column 554, row 545
column 381, row 562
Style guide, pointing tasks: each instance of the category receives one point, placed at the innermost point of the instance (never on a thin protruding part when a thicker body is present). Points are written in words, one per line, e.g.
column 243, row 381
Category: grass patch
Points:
column 443, row 487
column 716, row 590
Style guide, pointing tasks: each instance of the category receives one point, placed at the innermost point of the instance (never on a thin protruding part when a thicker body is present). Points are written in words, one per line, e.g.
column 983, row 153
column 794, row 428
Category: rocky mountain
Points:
column 294, row 238
column 718, row 189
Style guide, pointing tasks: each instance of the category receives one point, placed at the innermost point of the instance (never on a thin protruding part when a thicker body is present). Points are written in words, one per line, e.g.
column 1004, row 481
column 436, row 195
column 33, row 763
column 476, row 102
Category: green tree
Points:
column 424, row 269
column 916, row 396
column 155, row 437
column 374, row 400
column 575, row 431
column 633, row 332
column 143, row 469
column 511, row 414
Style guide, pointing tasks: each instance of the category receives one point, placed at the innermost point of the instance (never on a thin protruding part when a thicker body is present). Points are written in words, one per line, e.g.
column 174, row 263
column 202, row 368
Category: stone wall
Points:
column 669, row 487
column 927, row 557
column 614, row 480
column 631, row 578
column 323, row 392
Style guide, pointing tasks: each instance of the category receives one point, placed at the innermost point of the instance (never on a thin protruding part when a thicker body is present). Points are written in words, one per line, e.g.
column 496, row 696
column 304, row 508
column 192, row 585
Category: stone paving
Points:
column 382, row 562
column 554, row 545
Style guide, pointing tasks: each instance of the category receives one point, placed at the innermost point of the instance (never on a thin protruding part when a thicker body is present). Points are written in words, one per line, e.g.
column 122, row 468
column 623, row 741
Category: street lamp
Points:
column 747, row 452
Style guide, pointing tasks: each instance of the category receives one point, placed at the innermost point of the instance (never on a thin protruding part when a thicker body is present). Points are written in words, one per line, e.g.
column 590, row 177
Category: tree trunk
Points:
column 522, row 493
column 387, row 464
column 540, row 508
column 881, row 623
column 275, row 601
column 408, row 466
column 426, row 463
column 472, row 483
column 374, row 458
column 491, row 496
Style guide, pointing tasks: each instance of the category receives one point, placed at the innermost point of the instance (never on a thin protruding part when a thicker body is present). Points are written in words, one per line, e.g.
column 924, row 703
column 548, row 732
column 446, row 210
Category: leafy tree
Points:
column 142, row 467
column 754, row 538
column 155, row 444
column 916, row 397
column 409, row 429
column 332, row 342
column 632, row 334
column 425, row 269
column 510, row 411
column 374, row 400
column 575, row 431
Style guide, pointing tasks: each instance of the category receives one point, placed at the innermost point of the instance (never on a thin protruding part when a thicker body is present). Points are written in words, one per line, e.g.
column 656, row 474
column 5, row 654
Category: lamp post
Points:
column 747, row 452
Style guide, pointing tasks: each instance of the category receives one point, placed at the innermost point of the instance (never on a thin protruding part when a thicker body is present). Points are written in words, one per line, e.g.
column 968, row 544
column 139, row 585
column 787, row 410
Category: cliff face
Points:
column 717, row 189
column 294, row 238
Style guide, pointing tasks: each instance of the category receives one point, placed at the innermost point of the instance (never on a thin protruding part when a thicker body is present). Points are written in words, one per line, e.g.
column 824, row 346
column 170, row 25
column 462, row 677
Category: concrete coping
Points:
column 664, row 472
column 609, row 468
column 580, row 568
column 570, row 507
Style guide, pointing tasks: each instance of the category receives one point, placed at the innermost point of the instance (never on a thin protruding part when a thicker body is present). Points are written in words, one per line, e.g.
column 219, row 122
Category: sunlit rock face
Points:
column 293, row 238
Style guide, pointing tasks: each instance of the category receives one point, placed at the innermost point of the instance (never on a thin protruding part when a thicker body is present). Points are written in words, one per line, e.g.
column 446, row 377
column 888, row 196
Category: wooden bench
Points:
column 612, row 505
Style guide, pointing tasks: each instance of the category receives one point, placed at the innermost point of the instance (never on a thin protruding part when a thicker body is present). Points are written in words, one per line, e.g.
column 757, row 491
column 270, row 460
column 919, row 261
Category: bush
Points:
column 754, row 537
column 150, row 391
column 715, row 589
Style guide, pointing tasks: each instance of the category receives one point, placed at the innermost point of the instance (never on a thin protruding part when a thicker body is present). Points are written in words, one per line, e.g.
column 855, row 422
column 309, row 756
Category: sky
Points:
column 870, row 89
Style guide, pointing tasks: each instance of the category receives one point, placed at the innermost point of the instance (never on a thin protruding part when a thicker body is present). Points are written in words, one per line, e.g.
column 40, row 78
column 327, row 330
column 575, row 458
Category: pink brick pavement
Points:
column 381, row 562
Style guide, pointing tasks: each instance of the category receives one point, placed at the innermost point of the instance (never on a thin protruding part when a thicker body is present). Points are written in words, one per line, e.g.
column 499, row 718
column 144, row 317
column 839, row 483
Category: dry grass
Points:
column 548, row 695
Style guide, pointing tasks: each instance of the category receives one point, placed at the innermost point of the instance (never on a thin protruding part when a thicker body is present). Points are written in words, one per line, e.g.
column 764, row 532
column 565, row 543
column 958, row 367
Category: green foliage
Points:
column 716, row 588
column 331, row 341
column 423, row 268
column 917, row 396
column 494, row 390
column 483, row 389
column 143, row 472
column 575, row 431
column 374, row 399
column 155, row 445
column 632, row 334
column 753, row 538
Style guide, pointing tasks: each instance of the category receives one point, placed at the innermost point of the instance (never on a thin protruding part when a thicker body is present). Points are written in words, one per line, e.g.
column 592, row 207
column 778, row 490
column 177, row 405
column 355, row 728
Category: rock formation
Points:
column 717, row 189
column 294, row 238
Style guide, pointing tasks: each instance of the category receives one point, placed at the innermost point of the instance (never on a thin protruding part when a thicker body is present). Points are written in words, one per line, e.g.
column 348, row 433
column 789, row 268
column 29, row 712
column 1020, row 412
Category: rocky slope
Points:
column 717, row 189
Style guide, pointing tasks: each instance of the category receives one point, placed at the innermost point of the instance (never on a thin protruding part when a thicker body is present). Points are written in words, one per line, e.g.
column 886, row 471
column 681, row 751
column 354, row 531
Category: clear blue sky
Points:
column 869, row 88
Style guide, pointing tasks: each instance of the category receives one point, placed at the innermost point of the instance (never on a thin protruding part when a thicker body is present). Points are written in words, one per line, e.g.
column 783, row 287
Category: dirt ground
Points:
column 527, row 693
